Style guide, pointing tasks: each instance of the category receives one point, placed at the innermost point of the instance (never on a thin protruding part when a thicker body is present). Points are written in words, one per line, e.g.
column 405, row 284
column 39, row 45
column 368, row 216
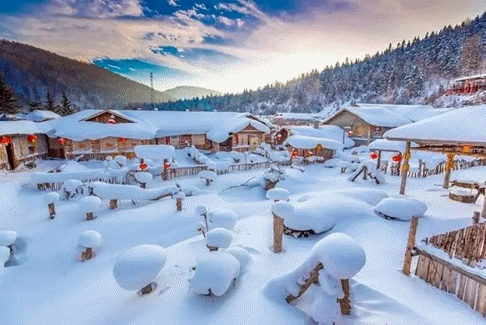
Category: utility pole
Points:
column 152, row 93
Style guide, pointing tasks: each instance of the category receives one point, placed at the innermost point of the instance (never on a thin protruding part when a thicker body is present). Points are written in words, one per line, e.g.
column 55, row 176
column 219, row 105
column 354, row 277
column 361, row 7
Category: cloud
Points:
column 172, row 3
column 97, row 8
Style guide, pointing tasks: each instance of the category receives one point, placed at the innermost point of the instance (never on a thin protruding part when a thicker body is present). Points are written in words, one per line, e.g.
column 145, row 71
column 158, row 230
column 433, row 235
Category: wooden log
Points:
column 113, row 204
column 52, row 210
column 481, row 300
column 278, row 229
column 345, row 302
column 313, row 278
column 407, row 263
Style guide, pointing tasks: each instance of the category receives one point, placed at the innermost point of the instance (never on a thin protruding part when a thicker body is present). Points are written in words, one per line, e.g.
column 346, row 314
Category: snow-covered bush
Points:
column 50, row 199
column 7, row 237
column 138, row 267
column 400, row 209
column 143, row 178
column 242, row 256
column 4, row 256
column 340, row 254
column 222, row 218
column 218, row 238
column 89, row 240
column 121, row 160
column 215, row 273
column 70, row 188
column 88, row 205
column 208, row 176
column 272, row 176
column 278, row 194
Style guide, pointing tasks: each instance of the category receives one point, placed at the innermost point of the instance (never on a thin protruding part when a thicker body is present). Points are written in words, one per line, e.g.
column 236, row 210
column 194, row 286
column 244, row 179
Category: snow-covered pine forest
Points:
column 416, row 71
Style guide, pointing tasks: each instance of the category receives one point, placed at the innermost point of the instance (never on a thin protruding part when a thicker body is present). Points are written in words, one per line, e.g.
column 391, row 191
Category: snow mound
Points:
column 280, row 194
column 206, row 174
column 219, row 237
column 4, row 256
column 332, row 163
column 311, row 215
column 129, row 192
column 7, row 237
column 200, row 210
column 90, row 239
column 215, row 273
column 401, row 209
column 283, row 209
column 180, row 195
column 143, row 177
column 51, row 197
column 222, row 218
column 242, row 256
column 72, row 184
column 139, row 266
column 89, row 204
column 370, row 196
column 121, row 160
column 341, row 255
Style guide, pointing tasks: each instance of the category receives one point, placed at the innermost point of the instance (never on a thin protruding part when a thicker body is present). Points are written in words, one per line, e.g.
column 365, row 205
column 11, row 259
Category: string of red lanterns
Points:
column 5, row 140
column 122, row 140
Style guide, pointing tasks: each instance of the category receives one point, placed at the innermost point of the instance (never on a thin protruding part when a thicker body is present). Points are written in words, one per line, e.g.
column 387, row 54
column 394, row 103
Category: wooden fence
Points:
column 465, row 247
column 175, row 172
column 423, row 172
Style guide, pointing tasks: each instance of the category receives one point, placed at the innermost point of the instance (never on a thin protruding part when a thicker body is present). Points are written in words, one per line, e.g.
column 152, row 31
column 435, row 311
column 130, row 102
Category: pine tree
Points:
column 66, row 107
column 8, row 102
column 50, row 103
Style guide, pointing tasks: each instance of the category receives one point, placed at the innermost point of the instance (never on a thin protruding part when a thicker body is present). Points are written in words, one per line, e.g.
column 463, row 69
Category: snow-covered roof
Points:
column 478, row 76
column 295, row 116
column 464, row 125
column 386, row 115
column 40, row 116
column 22, row 127
column 383, row 144
column 332, row 132
column 217, row 126
column 303, row 142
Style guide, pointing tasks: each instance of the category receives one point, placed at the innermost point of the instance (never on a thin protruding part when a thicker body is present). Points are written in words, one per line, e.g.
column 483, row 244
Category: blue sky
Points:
column 223, row 45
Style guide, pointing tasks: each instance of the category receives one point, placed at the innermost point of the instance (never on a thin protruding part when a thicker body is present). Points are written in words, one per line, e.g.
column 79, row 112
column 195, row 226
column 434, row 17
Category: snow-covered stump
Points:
column 113, row 204
column 179, row 197
column 50, row 199
column 218, row 238
column 89, row 240
column 89, row 205
column 222, row 218
column 278, row 194
column 138, row 267
column 407, row 262
column 208, row 176
column 7, row 239
column 279, row 211
column 215, row 273
column 143, row 178
column 400, row 209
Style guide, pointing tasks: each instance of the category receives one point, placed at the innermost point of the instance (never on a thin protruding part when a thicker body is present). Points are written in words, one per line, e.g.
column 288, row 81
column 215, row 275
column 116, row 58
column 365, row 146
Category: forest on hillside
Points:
column 415, row 71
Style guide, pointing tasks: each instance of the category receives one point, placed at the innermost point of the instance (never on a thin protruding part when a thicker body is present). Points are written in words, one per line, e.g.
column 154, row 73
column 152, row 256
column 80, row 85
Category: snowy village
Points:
column 342, row 197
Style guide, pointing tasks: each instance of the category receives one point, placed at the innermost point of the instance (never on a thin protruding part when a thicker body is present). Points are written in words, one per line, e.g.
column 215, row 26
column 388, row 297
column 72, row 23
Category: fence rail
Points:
column 423, row 171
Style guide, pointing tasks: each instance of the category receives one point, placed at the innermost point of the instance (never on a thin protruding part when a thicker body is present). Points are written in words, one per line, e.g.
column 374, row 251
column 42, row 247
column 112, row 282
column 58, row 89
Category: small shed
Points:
column 305, row 146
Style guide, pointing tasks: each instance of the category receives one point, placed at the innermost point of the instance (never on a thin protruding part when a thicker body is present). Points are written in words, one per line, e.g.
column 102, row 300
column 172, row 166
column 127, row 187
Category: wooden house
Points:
column 468, row 85
column 21, row 141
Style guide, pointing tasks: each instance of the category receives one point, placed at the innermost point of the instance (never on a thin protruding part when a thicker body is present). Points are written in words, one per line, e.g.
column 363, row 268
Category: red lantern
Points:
column 5, row 140
column 397, row 158
column 111, row 120
column 143, row 166
column 167, row 165
column 32, row 138
column 295, row 154
column 61, row 141
column 122, row 140
column 350, row 133
column 373, row 155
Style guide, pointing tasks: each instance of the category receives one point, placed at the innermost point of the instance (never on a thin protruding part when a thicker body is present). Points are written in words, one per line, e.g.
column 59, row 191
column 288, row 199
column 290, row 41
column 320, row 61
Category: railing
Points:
column 423, row 172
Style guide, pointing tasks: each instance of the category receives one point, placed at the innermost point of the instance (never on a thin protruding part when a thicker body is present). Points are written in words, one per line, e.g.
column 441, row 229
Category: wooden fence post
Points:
column 52, row 210
column 278, row 228
column 448, row 168
column 407, row 263
column 179, row 204
column 405, row 168
column 475, row 217
column 345, row 302
column 113, row 204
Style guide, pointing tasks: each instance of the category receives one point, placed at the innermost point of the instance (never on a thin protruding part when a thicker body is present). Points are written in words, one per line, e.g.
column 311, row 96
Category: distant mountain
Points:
column 185, row 92
column 32, row 73
column 417, row 71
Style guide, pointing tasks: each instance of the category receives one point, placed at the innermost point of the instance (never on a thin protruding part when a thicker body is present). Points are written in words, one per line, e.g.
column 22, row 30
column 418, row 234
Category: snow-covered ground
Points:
column 52, row 286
